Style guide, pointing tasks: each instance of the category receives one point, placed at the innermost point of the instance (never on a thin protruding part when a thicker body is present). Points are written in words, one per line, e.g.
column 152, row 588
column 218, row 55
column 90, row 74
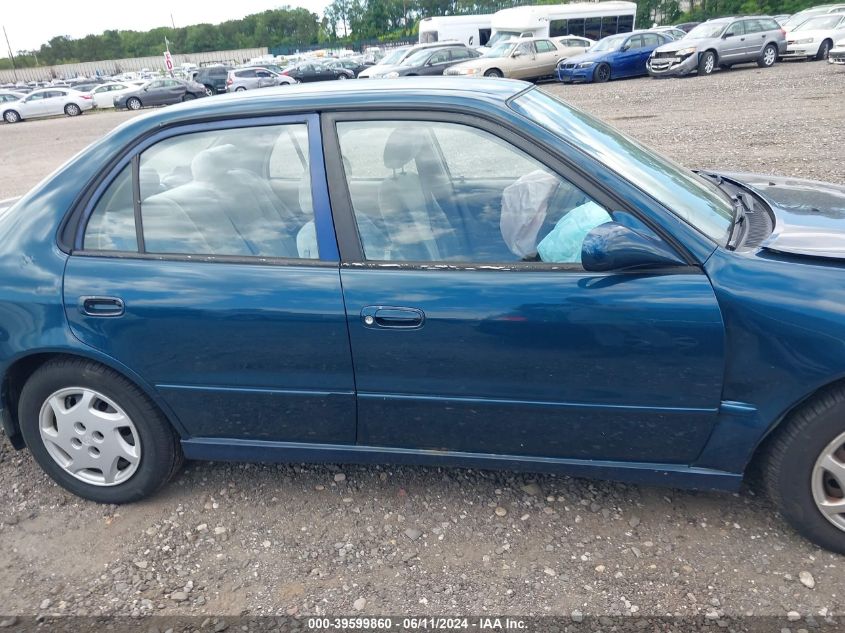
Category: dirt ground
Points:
column 232, row 539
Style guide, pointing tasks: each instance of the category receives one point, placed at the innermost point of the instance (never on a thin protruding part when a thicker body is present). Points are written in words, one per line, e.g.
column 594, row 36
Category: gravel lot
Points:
column 232, row 539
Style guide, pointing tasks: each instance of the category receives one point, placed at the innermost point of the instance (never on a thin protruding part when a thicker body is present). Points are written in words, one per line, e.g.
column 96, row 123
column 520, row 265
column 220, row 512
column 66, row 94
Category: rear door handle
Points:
column 101, row 306
column 392, row 317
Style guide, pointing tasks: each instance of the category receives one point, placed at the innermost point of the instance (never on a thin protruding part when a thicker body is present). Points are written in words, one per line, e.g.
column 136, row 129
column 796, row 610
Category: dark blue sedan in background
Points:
column 613, row 57
column 431, row 271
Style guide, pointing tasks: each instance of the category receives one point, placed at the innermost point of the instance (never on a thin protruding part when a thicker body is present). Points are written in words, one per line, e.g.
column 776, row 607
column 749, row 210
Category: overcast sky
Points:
column 30, row 24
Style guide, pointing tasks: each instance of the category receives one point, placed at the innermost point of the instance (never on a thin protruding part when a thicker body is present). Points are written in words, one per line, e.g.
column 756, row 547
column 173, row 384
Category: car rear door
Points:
column 465, row 341
column 755, row 39
column 54, row 102
column 219, row 293
column 548, row 55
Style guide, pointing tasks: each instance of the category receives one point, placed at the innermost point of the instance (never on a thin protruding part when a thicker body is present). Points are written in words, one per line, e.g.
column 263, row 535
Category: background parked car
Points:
column 47, row 102
column 570, row 45
column 429, row 62
column 672, row 31
column 8, row 95
column 398, row 55
column 354, row 66
column 241, row 79
column 721, row 43
column 797, row 18
column 613, row 57
column 316, row 71
column 687, row 26
column 813, row 38
column 160, row 92
column 104, row 94
column 526, row 58
column 213, row 78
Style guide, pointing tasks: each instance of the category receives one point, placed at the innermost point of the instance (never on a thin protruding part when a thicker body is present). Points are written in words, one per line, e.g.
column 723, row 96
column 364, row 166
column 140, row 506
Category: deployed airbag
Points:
column 524, row 207
column 563, row 243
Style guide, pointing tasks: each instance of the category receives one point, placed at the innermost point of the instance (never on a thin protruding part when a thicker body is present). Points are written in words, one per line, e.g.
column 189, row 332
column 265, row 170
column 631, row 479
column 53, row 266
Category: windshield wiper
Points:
column 740, row 214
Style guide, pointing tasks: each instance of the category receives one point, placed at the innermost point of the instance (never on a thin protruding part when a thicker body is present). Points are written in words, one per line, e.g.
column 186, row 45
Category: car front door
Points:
column 733, row 43
column 475, row 329
column 523, row 61
column 227, row 301
column 436, row 64
column 624, row 61
column 33, row 105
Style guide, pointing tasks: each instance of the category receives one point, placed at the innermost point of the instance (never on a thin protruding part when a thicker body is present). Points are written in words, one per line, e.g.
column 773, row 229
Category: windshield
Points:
column 801, row 16
column 502, row 36
column 821, row 22
column 687, row 195
column 417, row 59
column 499, row 50
column 707, row 30
column 394, row 57
column 609, row 43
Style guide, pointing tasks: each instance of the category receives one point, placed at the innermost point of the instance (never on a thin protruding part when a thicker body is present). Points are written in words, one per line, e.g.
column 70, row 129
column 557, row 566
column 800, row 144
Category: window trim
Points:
column 349, row 240
column 326, row 238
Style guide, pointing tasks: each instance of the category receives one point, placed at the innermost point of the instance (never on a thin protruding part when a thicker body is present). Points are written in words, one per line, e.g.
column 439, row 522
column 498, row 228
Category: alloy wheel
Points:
column 72, row 109
column 828, row 482
column 11, row 117
column 709, row 64
column 133, row 104
column 769, row 56
column 90, row 436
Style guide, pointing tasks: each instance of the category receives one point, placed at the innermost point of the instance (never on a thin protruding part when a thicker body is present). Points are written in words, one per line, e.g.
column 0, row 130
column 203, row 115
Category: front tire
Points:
column 95, row 433
column 602, row 73
column 133, row 103
column 768, row 57
column 824, row 50
column 495, row 73
column 804, row 469
column 209, row 91
column 72, row 109
column 10, row 116
column 707, row 63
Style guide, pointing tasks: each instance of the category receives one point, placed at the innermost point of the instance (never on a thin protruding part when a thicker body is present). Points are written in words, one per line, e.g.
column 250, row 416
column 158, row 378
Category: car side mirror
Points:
column 626, row 47
column 516, row 54
column 615, row 247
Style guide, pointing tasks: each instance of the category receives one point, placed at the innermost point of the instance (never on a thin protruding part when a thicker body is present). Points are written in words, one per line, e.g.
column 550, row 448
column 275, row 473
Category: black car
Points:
column 351, row 65
column 317, row 71
column 429, row 62
column 160, row 92
column 213, row 78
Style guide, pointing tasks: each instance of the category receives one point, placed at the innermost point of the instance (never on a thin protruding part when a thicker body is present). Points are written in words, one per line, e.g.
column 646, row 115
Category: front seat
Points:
column 416, row 227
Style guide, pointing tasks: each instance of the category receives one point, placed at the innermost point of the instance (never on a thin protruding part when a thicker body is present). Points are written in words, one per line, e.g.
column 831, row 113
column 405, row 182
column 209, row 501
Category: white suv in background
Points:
column 47, row 102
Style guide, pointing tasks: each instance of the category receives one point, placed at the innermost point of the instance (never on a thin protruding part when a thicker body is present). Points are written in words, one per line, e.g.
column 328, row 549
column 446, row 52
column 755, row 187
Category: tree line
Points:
column 343, row 23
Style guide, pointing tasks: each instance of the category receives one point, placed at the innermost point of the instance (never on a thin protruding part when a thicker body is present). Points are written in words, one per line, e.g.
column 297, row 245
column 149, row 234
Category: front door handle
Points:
column 101, row 306
column 392, row 317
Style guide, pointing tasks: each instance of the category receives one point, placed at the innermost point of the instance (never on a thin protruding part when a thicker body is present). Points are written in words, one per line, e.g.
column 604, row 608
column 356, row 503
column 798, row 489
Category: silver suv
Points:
column 241, row 79
column 722, row 42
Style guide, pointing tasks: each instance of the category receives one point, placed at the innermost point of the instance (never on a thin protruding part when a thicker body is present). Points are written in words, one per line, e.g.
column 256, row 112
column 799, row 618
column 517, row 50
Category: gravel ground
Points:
column 232, row 539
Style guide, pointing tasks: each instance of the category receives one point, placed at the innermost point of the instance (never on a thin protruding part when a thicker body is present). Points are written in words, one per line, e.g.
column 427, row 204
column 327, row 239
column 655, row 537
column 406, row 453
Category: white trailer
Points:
column 472, row 30
column 593, row 20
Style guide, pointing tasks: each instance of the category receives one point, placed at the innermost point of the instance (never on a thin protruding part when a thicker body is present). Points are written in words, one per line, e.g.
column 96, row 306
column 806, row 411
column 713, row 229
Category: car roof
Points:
column 311, row 97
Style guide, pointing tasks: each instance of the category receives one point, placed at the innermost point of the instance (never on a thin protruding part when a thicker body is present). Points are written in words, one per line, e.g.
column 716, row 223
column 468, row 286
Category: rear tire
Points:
column 601, row 74
column 71, row 109
column 768, row 57
column 240, row 89
column 155, row 443
column 824, row 50
column 804, row 469
column 707, row 63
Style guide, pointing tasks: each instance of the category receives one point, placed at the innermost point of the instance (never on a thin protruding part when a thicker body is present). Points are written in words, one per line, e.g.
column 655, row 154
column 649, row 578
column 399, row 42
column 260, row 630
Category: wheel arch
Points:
column 759, row 451
column 497, row 69
column 21, row 369
column 710, row 50
column 5, row 110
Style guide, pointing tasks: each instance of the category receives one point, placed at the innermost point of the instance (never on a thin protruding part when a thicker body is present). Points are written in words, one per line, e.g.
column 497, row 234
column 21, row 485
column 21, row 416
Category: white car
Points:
column 813, row 38
column 837, row 53
column 47, row 102
column 572, row 45
column 104, row 94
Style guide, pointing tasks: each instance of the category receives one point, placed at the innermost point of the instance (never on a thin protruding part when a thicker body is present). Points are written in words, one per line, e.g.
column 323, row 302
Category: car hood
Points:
column 809, row 215
column 478, row 62
column 677, row 45
column 589, row 57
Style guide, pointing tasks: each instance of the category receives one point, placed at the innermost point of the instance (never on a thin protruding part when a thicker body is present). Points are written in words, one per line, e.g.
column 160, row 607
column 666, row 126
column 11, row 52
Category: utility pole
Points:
column 172, row 22
column 11, row 55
